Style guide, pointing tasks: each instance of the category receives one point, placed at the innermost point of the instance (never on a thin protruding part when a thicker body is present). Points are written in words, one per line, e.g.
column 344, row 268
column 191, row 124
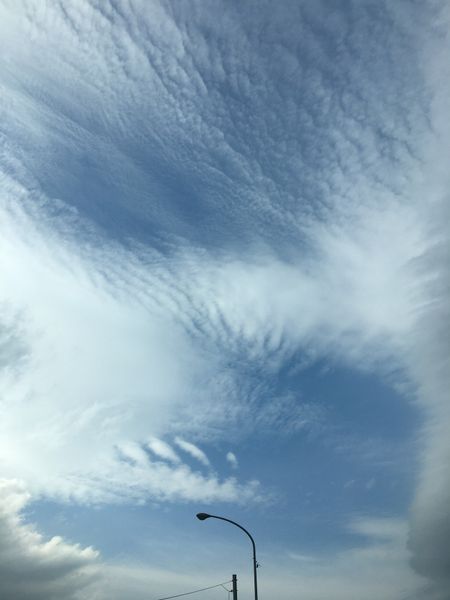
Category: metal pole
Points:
column 255, row 566
column 234, row 578
column 203, row 516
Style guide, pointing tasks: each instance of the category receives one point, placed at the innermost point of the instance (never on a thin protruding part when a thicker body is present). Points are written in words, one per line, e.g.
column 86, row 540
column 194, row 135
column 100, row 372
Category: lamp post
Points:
column 203, row 516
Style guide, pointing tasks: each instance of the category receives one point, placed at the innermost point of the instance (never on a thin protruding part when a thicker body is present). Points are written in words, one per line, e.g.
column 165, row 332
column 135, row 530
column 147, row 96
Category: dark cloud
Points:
column 32, row 568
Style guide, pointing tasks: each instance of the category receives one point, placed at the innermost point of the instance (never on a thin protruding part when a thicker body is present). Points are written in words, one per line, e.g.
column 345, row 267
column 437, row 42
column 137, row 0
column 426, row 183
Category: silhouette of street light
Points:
column 203, row 516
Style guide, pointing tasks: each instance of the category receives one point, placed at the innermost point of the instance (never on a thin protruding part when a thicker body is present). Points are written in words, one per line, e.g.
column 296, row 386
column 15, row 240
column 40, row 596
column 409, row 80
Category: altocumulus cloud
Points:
column 339, row 228
column 91, row 372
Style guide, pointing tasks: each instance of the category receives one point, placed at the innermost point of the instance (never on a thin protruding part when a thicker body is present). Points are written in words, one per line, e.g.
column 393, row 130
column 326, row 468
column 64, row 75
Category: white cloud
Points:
column 32, row 568
column 163, row 450
column 377, row 528
column 142, row 478
column 97, row 369
column 375, row 566
column 232, row 459
column 193, row 450
column 35, row 568
column 101, row 344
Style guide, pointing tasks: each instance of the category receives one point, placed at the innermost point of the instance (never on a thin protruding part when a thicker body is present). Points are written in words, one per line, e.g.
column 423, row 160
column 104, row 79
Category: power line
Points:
column 195, row 591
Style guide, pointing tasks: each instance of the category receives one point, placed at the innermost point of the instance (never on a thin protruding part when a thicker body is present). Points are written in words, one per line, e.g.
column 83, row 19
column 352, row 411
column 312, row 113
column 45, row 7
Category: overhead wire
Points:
column 199, row 590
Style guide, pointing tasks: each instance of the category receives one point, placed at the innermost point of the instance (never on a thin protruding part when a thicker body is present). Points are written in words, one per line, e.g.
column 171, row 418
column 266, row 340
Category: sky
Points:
column 224, row 278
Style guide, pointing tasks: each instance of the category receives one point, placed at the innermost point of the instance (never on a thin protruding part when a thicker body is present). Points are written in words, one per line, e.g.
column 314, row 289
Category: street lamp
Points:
column 203, row 516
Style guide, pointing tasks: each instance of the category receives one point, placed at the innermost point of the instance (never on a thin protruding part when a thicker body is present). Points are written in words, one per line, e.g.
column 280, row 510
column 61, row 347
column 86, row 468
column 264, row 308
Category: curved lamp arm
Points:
column 203, row 516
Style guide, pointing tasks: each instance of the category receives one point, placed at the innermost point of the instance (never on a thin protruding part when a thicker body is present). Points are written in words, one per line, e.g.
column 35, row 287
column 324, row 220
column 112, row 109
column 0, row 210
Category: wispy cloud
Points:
column 232, row 459
column 111, row 371
column 375, row 568
column 163, row 450
column 193, row 450
column 181, row 210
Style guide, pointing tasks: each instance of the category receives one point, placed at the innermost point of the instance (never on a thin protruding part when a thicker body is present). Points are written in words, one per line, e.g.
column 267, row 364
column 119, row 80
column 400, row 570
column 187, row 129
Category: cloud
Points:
column 379, row 528
column 430, row 355
column 181, row 208
column 33, row 568
column 98, row 368
column 163, row 450
column 143, row 478
column 429, row 342
column 231, row 458
column 374, row 566
column 193, row 450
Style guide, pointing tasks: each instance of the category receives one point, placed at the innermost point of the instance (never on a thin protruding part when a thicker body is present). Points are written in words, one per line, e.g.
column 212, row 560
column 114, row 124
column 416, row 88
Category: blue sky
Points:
column 224, row 272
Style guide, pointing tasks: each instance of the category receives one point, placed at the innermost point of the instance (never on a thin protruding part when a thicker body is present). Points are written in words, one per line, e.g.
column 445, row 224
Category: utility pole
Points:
column 234, row 578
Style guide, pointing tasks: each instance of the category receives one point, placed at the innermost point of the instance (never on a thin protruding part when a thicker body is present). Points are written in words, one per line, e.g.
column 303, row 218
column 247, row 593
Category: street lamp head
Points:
column 202, row 516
